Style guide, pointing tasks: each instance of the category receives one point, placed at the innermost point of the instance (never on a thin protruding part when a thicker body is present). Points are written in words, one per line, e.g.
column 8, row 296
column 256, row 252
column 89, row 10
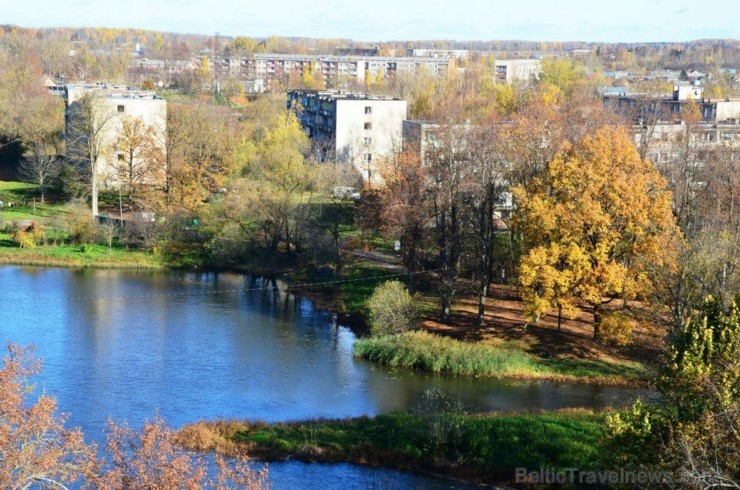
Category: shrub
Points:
column 29, row 237
column 79, row 223
column 617, row 328
column 392, row 309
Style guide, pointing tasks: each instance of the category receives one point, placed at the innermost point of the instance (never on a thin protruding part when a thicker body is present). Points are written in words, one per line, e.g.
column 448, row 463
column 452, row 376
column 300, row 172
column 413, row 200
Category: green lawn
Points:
column 63, row 254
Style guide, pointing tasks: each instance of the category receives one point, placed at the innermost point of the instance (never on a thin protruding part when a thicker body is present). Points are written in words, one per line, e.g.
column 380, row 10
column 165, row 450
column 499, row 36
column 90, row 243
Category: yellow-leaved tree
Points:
column 592, row 223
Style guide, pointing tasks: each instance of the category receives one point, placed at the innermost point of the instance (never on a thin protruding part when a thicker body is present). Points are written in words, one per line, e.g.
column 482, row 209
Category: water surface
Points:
column 124, row 344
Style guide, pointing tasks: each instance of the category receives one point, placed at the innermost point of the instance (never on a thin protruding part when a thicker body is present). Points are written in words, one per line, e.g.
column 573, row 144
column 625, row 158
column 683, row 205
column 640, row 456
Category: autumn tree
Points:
column 138, row 157
column 28, row 113
column 598, row 216
column 405, row 210
column 484, row 193
column 449, row 167
column 152, row 458
column 266, row 201
column 37, row 451
column 199, row 142
column 35, row 447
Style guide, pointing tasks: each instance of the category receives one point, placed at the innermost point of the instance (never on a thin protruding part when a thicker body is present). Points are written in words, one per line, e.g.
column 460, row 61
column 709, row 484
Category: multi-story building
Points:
column 351, row 128
column 460, row 54
column 431, row 140
column 671, row 108
column 335, row 69
column 510, row 71
column 114, row 105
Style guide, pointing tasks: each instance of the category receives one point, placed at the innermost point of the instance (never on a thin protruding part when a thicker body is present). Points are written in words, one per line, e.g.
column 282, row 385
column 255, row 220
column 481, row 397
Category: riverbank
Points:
column 482, row 449
column 78, row 256
column 424, row 351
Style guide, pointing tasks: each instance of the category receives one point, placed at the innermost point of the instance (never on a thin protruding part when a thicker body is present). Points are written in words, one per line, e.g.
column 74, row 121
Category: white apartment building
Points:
column 338, row 68
column 509, row 71
column 358, row 129
column 118, row 104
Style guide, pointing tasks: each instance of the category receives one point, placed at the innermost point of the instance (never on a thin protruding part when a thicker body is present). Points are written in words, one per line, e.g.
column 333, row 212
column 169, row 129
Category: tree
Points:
column 199, row 144
column 89, row 119
column 405, row 210
column 267, row 202
column 138, row 157
column 599, row 216
column 449, row 169
column 40, row 167
column 37, row 451
column 693, row 427
column 35, row 448
column 152, row 458
column 484, row 194
column 392, row 309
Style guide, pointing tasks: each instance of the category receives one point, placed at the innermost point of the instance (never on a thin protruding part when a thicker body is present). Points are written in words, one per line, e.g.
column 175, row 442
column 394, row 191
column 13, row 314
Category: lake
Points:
column 124, row 344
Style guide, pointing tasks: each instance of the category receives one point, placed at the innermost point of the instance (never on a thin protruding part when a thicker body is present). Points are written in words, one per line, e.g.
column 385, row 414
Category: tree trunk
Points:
column 482, row 295
column 94, row 195
column 598, row 316
column 560, row 317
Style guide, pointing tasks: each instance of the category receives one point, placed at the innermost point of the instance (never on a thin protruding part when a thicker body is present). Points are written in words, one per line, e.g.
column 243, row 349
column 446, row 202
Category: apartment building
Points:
column 338, row 68
column 460, row 54
column 115, row 105
column 670, row 108
column 351, row 128
column 510, row 71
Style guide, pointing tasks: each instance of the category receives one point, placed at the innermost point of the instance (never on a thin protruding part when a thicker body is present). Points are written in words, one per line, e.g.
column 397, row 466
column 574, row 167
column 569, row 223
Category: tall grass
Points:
column 427, row 352
column 424, row 351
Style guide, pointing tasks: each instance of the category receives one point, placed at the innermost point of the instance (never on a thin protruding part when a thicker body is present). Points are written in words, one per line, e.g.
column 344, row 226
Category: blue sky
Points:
column 368, row 20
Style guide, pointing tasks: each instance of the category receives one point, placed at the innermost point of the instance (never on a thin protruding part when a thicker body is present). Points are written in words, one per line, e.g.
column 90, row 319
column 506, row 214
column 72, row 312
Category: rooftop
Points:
column 336, row 95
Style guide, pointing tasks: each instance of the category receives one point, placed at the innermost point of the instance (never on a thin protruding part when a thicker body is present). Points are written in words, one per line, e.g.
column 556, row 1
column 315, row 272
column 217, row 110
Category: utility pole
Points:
column 217, row 63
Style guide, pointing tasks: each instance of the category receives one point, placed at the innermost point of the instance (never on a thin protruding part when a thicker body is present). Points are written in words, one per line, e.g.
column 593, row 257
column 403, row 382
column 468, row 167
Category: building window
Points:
column 368, row 110
column 121, row 108
column 368, row 141
column 368, row 157
column 368, row 125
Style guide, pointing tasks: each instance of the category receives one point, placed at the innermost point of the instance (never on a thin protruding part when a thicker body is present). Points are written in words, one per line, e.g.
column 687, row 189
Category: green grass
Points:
column 15, row 188
column 480, row 448
column 424, row 351
column 63, row 255
column 98, row 256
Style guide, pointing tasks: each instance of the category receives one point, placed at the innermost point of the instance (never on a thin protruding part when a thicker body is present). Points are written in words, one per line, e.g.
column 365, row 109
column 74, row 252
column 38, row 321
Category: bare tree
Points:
column 40, row 167
column 448, row 157
column 89, row 119
column 484, row 194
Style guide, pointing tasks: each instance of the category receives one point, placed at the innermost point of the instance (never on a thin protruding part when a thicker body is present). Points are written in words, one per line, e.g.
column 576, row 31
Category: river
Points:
column 124, row 344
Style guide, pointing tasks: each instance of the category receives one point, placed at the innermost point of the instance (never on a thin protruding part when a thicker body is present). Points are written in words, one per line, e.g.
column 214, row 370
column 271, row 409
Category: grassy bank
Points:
column 27, row 207
column 75, row 256
column 477, row 448
column 433, row 353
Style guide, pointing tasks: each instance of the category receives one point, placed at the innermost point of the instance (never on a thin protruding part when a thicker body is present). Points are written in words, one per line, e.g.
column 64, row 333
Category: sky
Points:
column 385, row 20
